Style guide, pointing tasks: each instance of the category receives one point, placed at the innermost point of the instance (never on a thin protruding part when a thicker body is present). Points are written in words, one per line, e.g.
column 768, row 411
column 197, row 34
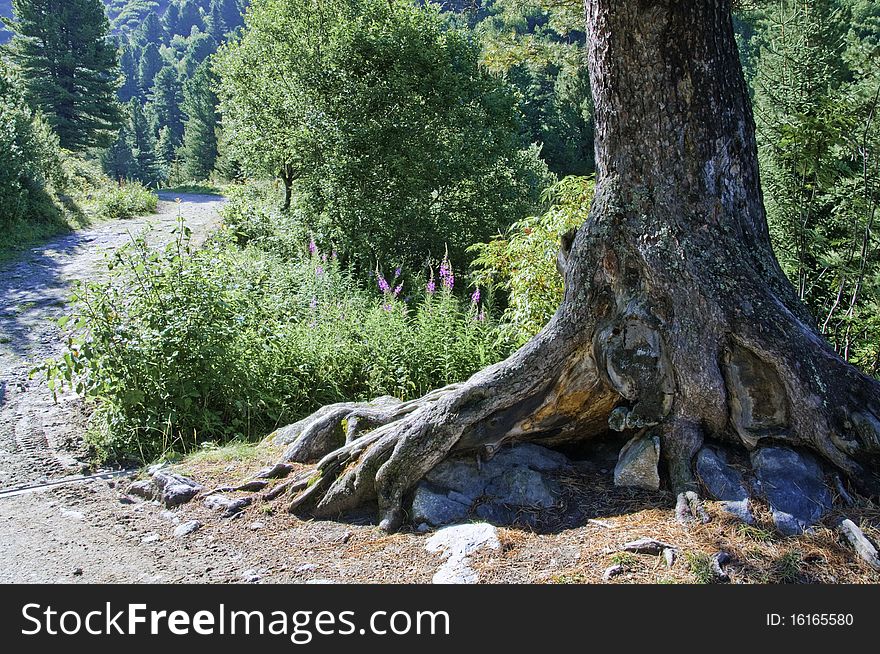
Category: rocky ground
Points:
column 571, row 523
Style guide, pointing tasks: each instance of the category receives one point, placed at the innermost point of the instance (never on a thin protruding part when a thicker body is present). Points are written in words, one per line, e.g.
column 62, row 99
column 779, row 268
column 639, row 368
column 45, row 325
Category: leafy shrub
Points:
column 522, row 263
column 30, row 155
column 178, row 347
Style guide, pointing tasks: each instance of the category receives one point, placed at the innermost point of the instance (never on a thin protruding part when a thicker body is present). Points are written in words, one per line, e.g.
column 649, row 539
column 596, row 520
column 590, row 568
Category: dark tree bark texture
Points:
column 677, row 320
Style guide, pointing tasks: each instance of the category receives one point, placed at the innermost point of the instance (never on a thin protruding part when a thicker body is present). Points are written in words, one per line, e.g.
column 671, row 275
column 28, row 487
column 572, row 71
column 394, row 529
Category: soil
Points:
column 92, row 532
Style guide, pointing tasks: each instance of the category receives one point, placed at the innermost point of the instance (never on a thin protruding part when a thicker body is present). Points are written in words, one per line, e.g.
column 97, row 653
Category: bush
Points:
column 522, row 263
column 178, row 347
column 30, row 155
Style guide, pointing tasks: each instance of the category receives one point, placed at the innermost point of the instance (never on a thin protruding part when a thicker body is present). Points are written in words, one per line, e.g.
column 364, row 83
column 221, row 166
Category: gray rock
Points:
column 459, row 476
column 435, row 508
column 229, row 506
column 637, row 463
column 143, row 489
column 793, row 483
column 741, row 510
column 515, row 477
column 725, row 483
column 530, row 455
column 456, row 544
column 186, row 528
column 150, row 538
column 522, row 486
column 174, row 490
column 496, row 514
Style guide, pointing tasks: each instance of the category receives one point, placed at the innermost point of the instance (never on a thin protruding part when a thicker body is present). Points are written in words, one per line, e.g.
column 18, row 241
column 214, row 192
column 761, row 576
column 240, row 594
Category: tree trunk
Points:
column 677, row 319
column 287, row 177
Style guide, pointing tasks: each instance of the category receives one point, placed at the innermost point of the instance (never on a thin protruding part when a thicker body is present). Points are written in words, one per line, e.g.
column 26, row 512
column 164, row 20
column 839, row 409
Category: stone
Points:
column 174, row 490
column 229, row 506
column 793, row 483
column 669, row 557
column 456, row 544
column 150, row 538
column 143, row 489
column 521, row 486
column 495, row 514
column 725, row 483
column 719, row 560
column 532, row 456
column 436, row 508
column 72, row 514
column 186, row 528
column 256, row 526
column 516, row 477
column 463, row 478
column 637, row 463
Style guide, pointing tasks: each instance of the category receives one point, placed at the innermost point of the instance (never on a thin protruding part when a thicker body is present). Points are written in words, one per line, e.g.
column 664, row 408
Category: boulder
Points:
column 516, row 477
column 793, row 483
column 456, row 544
column 724, row 483
column 637, row 463
column 166, row 487
column 436, row 508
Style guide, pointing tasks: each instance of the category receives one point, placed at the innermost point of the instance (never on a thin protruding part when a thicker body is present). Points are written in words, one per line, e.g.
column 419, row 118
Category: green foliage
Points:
column 399, row 142
column 69, row 68
column 816, row 100
column 181, row 346
column 521, row 264
column 134, row 154
column 539, row 47
column 199, row 150
column 30, row 155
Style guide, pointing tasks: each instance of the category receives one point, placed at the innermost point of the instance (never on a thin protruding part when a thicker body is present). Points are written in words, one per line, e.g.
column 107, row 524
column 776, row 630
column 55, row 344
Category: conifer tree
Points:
column 69, row 65
column 199, row 151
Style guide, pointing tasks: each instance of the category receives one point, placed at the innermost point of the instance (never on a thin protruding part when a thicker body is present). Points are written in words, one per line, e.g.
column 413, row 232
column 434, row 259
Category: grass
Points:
column 198, row 188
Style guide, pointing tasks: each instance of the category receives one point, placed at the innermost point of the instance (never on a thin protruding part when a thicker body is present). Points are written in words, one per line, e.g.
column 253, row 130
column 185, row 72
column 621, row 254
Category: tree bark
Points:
column 677, row 319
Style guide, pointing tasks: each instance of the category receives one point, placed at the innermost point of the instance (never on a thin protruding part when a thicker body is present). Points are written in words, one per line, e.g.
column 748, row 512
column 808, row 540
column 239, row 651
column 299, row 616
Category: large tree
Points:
column 677, row 320
column 69, row 66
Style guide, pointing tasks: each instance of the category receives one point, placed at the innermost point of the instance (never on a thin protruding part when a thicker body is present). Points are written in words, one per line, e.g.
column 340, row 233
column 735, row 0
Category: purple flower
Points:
column 319, row 270
column 398, row 290
column 387, row 307
column 446, row 275
column 324, row 257
column 398, row 272
column 481, row 316
column 431, row 287
column 384, row 286
column 333, row 255
column 475, row 298
column 313, row 248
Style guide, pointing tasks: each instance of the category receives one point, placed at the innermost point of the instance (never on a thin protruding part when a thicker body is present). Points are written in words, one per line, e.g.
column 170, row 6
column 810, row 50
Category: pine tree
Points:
column 171, row 20
column 150, row 64
column 188, row 18
column 69, row 66
column 150, row 31
column 199, row 151
column 129, row 59
column 165, row 105
column 147, row 168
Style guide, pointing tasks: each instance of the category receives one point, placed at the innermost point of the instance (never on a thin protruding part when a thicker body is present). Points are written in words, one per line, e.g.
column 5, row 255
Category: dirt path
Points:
column 38, row 437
